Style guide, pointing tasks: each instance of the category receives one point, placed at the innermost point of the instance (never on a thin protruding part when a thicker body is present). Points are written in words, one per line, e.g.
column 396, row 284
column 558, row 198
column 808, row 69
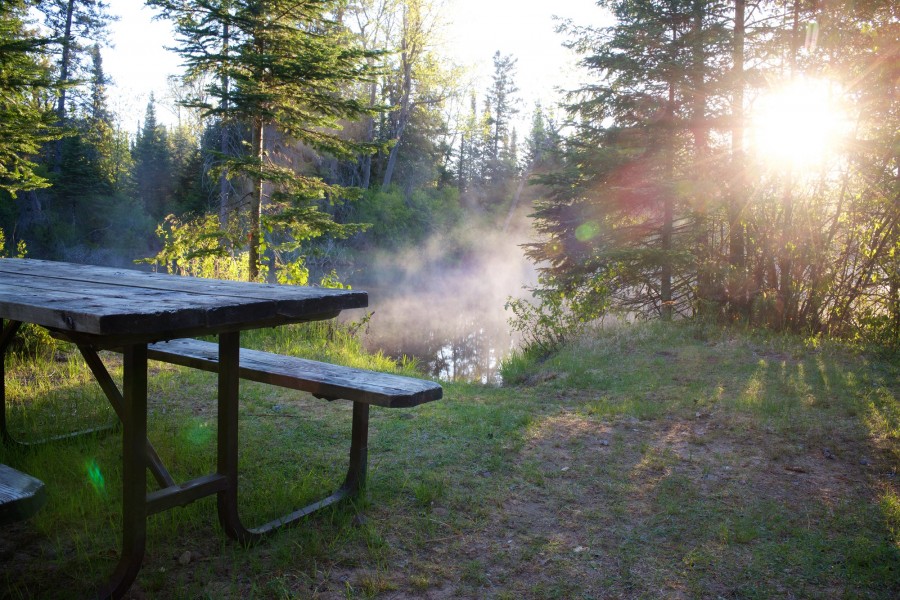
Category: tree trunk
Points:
column 63, row 79
column 700, row 132
column 223, row 177
column 256, row 198
column 405, row 98
column 665, row 276
column 365, row 163
column 737, row 285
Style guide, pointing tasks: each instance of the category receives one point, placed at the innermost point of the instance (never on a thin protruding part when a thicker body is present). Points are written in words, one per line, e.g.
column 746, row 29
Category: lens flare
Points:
column 199, row 434
column 95, row 476
column 587, row 231
column 797, row 125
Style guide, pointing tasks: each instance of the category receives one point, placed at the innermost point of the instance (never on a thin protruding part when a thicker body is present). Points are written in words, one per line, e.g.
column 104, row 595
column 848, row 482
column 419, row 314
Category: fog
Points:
column 443, row 302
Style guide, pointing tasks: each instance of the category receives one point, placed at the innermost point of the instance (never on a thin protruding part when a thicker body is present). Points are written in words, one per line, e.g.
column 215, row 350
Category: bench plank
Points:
column 320, row 379
column 21, row 495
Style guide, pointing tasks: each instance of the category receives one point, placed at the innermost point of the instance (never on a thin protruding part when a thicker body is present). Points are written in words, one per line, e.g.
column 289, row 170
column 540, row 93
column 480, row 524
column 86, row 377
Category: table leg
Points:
column 101, row 374
column 227, row 440
column 134, row 475
column 359, row 450
column 7, row 331
column 229, row 518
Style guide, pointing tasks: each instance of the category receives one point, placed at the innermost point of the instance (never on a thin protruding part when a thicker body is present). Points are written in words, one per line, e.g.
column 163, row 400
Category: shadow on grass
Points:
column 651, row 462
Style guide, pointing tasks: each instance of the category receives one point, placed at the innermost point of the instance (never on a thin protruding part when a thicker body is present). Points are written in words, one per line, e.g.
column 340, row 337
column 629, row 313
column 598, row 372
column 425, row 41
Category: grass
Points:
column 644, row 461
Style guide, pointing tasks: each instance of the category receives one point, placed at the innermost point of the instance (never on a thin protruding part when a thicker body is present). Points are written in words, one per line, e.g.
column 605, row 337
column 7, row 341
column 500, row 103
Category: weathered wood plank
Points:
column 318, row 378
column 85, row 313
column 136, row 308
column 292, row 301
column 108, row 302
column 21, row 495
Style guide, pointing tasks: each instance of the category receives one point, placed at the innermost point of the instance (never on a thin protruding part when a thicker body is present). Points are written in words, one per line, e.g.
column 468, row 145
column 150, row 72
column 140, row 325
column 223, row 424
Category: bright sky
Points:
column 139, row 64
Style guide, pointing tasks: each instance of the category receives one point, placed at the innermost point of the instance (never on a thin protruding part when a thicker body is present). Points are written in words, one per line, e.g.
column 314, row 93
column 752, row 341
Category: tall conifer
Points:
column 287, row 65
column 25, row 122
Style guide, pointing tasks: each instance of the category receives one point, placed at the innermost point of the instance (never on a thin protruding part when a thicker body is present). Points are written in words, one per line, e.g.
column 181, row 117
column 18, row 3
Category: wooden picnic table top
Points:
column 123, row 304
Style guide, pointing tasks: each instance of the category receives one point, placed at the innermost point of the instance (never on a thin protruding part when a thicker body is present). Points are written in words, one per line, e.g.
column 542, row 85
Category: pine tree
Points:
column 468, row 163
column 97, row 123
column 152, row 165
column 503, row 104
column 25, row 83
column 287, row 64
column 77, row 26
column 617, row 220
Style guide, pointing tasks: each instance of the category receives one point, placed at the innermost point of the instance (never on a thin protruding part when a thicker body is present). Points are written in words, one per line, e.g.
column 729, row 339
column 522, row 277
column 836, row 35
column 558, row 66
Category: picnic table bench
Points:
column 21, row 495
column 323, row 380
column 150, row 315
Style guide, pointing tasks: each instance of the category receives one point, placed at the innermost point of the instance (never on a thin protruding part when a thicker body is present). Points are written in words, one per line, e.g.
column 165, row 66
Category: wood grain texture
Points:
column 21, row 495
column 318, row 378
column 118, row 302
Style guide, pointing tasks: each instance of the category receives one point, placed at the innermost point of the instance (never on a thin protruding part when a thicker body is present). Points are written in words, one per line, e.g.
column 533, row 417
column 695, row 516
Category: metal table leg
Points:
column 134, row 474
column 229, row 517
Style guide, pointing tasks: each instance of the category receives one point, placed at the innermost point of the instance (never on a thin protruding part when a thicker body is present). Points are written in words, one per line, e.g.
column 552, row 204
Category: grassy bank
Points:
column 648, row 461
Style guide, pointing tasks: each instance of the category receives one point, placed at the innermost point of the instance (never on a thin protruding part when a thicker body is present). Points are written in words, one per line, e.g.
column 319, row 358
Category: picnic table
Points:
column 147, row 315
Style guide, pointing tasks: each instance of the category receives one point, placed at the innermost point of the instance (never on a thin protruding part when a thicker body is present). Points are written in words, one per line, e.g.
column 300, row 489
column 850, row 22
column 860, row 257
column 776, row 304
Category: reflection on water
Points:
column 443, row 302
column 460, row 350
column 452, row 338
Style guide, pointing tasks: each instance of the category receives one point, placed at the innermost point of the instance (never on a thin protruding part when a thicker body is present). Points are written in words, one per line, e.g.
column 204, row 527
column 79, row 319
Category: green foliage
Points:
column 398, row 220
column 199, row 248
column 556, row 318
column 30, row 340
column 152, row 173
column 19, row 251
column 76, row 27
column 282, row 65
column 661, row 197
column 26, row 122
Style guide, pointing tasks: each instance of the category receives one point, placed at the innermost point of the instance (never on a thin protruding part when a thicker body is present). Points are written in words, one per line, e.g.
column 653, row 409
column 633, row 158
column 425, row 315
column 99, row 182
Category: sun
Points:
column 797, row 125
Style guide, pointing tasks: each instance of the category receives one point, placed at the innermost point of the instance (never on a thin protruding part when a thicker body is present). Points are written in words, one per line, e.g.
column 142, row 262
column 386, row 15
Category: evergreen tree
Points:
column 152, row 165
column 469, row 156
column 97, row 124
column 668, row 200
column 25, row 83
column 542, row 146
column 77, row 26
column 502, row 105
column 610, row 221
column 287, row 64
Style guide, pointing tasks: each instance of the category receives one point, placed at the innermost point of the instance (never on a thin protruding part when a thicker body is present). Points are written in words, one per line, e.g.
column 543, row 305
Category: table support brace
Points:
column 229, row 518
column 6, row 337
column 154, row 463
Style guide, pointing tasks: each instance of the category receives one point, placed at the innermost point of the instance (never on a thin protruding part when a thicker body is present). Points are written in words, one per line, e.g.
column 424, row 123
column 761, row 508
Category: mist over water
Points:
column 443, row 303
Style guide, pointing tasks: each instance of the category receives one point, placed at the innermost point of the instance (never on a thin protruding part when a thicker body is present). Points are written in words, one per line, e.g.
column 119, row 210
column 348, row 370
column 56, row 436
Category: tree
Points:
column 617, row 222
column 25, row 85
column 287, row 64
column 470, row 154
column 77, row 26
column 668, row 201
column 412, row 88
column 152, row 165
column 502, row 105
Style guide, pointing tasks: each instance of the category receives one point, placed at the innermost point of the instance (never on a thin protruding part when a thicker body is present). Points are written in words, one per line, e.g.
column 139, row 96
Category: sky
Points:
column 139, row 64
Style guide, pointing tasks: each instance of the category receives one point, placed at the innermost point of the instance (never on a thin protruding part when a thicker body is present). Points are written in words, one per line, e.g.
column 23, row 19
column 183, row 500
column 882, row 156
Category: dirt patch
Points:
column 578, row 528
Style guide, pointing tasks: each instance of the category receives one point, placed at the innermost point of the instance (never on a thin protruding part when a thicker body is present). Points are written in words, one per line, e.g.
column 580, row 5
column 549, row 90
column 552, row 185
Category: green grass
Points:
column 646, row 461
